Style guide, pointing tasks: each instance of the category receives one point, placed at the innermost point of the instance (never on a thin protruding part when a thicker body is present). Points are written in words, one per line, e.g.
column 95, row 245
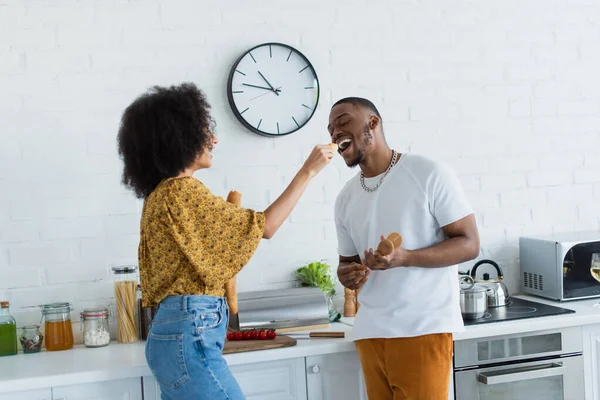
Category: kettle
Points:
column 498, row 294
column 473, row 298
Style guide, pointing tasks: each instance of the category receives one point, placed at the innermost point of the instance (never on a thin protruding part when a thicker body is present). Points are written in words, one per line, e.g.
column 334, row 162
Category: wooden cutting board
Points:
column 239, row 346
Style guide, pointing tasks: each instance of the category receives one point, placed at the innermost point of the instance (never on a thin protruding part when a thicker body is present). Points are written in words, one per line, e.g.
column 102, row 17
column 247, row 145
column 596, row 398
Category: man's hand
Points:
column 353, row 275
column 397, row 258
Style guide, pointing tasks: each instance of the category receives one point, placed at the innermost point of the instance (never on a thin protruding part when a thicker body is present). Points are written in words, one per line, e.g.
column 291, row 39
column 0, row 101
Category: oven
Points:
column 545, row 365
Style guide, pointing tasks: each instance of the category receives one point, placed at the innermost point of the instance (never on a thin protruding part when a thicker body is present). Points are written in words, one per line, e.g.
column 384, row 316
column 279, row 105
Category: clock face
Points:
column 273, row 89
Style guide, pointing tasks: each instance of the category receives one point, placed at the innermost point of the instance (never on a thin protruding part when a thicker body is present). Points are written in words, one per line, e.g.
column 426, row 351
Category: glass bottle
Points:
column 58, row 326
column 8, row 331
column 96, row 330
column 126, row 296
column 31, row 339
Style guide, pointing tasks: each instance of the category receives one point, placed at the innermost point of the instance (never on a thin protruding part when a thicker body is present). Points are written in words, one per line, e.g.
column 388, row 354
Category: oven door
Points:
column 553, row 379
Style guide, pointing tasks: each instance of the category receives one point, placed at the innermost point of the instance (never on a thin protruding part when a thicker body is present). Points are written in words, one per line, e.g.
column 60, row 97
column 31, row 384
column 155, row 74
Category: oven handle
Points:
column 552, row 369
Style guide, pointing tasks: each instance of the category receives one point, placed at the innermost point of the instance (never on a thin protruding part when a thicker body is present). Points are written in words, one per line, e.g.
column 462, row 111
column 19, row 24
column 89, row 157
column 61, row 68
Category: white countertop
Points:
column 585, row 314
column 117, row 361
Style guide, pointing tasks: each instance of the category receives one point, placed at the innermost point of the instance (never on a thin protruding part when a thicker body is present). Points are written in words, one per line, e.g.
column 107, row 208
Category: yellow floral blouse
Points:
column 192, row 242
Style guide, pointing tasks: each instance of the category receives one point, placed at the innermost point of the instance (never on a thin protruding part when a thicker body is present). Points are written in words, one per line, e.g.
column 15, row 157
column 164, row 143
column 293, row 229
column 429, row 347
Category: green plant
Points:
column 317, row 274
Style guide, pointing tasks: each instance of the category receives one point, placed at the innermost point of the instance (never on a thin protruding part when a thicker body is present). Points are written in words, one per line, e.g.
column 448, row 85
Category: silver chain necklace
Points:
column 362, row 176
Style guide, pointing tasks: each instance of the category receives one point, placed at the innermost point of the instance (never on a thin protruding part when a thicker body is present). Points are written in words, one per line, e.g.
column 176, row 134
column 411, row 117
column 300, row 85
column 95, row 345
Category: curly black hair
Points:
column 161, row 134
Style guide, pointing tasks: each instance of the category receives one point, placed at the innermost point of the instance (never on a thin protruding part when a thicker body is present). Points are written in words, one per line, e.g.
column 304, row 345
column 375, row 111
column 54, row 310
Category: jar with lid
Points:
column 126, row 296
column 58, row 326
column 96, row 330
column 8, row 331
column 31, row 339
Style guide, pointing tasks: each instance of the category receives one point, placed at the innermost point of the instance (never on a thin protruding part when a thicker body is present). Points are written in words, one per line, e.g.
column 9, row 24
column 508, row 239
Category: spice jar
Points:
column 96, row 331
column 8, row 331
column 58, row 327
column 31, row 339
column 126, row 295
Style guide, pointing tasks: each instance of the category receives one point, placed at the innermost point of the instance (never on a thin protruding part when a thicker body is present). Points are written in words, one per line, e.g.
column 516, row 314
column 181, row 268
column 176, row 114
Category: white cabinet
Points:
column 122, row 389
column 274, row 380
column 42, row 394
column 335, row 377
column 591, row 360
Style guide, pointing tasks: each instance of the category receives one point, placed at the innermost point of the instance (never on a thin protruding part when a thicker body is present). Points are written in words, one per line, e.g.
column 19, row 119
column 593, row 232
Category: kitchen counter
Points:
column 117, row 361
column 586, row 313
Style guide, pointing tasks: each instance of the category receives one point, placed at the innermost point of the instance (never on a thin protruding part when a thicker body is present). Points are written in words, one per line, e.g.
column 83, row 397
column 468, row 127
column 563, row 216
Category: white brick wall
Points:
column 506, row 91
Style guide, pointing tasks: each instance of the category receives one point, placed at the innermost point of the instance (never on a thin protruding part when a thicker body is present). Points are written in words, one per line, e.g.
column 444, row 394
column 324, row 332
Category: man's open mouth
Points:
column 344, row 144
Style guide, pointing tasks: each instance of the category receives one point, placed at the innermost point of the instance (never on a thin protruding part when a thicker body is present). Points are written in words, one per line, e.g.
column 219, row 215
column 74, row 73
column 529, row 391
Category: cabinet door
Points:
column 122, row 389
column 591, row 357
column 335, row 377
column 150, row 388
column 42, row 394
column 275, row 380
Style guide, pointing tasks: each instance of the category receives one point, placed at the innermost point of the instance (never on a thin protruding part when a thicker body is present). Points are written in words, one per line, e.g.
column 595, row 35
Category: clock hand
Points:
column 260, row 95
column 265, row 79
column 258, row 87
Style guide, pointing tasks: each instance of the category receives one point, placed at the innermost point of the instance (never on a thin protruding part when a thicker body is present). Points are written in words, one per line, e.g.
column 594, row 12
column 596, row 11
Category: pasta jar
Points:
column 96, row 330
column 58, row 327
column 126, row 296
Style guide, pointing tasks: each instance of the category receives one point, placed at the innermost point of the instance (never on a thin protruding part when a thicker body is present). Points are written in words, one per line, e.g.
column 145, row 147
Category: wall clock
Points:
column 273, row 89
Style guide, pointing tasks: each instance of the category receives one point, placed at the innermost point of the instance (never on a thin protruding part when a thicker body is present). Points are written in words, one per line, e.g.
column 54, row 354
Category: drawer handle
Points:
column 315, row 369
column 521, row 374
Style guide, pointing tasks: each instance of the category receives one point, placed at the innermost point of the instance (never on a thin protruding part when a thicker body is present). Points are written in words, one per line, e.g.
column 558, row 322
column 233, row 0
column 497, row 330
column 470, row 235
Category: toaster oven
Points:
column 559, row 266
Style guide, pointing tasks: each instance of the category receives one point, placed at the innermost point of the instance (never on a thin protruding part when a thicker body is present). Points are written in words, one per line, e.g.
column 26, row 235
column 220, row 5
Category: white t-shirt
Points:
column 416, row 199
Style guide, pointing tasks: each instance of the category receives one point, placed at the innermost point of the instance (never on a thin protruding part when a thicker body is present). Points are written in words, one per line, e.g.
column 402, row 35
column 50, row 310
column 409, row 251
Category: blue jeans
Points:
column 184, row 348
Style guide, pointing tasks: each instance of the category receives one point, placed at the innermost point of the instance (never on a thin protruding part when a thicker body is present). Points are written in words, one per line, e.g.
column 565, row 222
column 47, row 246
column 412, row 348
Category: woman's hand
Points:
column 320, row 156
column 281, row 208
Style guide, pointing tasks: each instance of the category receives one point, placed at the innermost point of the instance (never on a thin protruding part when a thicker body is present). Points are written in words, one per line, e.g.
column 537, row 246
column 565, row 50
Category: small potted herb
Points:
column 318, row 274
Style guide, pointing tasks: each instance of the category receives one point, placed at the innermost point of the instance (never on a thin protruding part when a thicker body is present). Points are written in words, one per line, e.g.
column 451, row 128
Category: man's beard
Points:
column 360, row 154
column 357, row 160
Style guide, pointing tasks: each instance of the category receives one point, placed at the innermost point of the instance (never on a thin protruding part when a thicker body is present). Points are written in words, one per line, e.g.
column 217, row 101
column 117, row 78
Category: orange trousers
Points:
column 413, row 368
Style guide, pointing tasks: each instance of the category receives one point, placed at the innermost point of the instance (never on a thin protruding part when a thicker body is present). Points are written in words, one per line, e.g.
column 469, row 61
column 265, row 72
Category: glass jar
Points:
column 96, row 331
column 8, row 331
column 31, row 339
column 126, row 296
column 58, row 326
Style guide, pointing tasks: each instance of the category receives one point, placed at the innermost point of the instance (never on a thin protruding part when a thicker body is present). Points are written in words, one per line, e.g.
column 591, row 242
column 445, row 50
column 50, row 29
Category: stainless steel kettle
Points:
column 473, row 298
column 498, row 295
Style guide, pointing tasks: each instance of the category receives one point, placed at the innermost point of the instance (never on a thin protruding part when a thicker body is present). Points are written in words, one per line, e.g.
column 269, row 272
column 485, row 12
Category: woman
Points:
column 192, row 242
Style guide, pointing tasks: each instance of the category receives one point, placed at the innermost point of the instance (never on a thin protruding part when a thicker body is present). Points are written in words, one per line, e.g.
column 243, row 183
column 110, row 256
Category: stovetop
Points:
column 518, row 309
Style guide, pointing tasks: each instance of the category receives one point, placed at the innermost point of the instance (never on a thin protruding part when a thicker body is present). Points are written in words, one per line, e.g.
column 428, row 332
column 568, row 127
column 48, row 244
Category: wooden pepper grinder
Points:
column 356, row 292
column 349, row 303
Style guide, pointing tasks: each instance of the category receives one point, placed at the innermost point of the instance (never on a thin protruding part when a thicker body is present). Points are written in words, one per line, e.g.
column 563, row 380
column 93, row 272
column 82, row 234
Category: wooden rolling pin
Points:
column 231, row 286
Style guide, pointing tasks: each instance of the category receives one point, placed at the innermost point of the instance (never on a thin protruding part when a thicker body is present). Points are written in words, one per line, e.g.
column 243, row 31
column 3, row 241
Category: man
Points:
column 410, row 298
